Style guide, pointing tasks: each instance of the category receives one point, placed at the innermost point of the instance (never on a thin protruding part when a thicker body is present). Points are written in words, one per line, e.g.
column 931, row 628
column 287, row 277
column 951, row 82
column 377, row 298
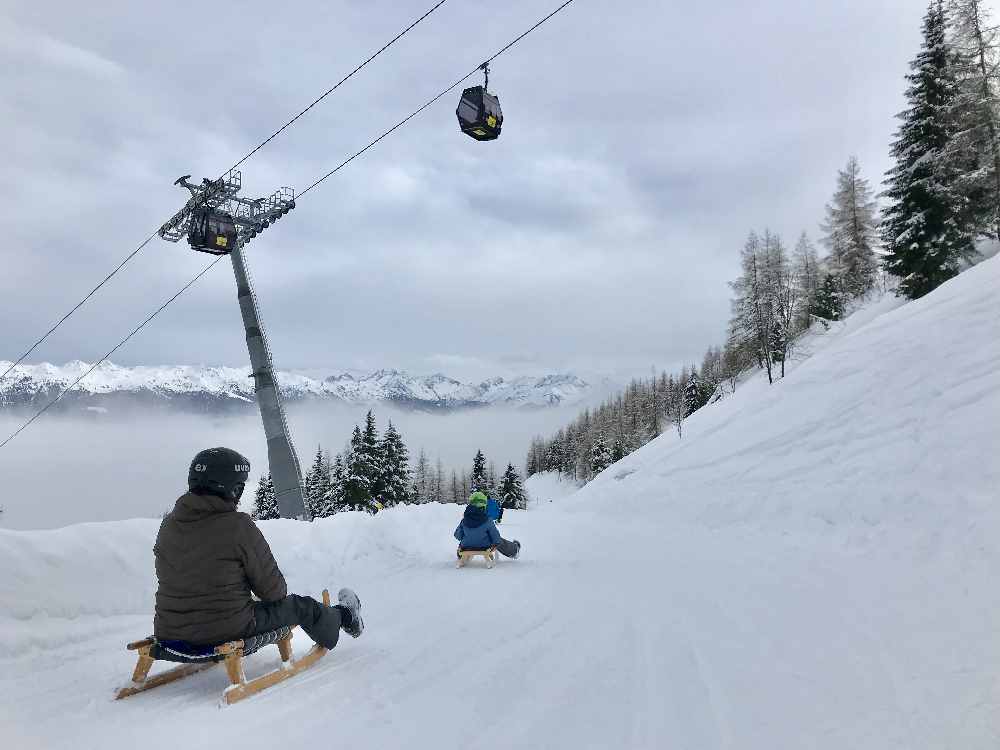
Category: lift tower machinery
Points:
column 217, row 220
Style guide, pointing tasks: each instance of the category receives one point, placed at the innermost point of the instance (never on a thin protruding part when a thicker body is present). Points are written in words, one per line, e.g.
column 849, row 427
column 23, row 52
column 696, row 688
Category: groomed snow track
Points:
column 813, row 566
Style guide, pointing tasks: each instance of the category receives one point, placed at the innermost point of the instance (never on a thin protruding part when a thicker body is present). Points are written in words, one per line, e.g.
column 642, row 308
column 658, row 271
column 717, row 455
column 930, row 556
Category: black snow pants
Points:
column 508, row 548
column 320, row 623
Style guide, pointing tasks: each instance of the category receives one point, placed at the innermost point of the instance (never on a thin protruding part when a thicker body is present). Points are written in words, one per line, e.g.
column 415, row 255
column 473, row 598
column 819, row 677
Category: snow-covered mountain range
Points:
column 222, row 387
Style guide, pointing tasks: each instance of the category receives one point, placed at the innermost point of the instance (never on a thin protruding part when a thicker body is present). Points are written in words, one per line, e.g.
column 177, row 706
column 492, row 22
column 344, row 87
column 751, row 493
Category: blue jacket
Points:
column 476, row 531
column 493, row 509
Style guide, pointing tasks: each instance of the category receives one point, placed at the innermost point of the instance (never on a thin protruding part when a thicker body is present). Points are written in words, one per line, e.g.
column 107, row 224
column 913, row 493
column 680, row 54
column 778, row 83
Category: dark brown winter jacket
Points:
column 208, row 560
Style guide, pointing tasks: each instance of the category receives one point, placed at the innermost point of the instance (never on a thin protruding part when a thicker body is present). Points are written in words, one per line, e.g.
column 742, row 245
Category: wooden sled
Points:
column 489, row 555
column 230, row 654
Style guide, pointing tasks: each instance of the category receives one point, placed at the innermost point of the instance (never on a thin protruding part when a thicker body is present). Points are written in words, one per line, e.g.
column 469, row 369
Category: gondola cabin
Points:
column 212, row 231
column 479, row 114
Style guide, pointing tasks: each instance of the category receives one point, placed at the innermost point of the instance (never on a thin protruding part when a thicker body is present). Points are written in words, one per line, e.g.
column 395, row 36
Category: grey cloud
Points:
column 642, row 142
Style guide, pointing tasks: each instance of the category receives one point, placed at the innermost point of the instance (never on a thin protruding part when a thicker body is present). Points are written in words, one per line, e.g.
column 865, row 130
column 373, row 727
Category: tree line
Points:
column 942, row 193
column 374, row 473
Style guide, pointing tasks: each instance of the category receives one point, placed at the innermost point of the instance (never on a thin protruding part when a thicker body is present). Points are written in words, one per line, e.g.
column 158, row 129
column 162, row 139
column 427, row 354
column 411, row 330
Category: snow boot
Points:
column 351, row 604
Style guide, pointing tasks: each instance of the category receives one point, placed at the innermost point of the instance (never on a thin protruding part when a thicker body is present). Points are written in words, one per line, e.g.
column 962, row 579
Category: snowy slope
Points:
column 812, row 566
column 229, row 385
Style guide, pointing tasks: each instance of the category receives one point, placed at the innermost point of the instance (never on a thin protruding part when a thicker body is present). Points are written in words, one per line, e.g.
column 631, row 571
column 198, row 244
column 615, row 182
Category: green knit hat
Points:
column 478, row 499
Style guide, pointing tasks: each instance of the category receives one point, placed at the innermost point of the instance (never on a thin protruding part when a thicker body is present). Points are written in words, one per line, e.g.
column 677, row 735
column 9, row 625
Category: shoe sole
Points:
column 347, row 598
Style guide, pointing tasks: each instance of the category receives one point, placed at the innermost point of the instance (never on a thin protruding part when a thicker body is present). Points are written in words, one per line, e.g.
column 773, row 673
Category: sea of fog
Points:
column 64, row 470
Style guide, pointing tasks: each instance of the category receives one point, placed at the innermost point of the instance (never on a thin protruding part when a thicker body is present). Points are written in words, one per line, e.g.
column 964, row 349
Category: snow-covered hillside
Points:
column 221, row 386
column 812, row 566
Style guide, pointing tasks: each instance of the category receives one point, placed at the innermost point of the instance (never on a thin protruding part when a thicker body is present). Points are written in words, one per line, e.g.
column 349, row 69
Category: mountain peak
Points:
column 219, row 386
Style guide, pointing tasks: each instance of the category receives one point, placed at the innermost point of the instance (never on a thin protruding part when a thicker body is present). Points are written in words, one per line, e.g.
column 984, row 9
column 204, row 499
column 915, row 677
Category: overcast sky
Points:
column 642, row 141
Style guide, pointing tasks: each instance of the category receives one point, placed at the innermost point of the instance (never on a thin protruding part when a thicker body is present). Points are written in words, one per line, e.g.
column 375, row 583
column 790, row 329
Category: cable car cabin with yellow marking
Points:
column 479, row 114
column 212, row 231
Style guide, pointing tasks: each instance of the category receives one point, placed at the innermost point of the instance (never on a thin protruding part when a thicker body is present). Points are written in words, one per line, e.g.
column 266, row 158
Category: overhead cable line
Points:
column 316, row 183
column 116, row 347
column 336, row 86
column 249, row 154
column 78, row 305
column 429, row 102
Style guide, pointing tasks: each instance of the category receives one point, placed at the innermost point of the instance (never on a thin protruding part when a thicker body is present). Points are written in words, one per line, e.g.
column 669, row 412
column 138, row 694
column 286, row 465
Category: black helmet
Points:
column 219, row 471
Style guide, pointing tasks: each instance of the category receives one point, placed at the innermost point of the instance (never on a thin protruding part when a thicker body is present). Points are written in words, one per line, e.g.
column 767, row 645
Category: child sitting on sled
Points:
column 477, row 531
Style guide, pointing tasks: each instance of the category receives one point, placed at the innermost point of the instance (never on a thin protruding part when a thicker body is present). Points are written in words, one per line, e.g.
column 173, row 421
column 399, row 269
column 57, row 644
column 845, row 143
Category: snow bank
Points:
column 547, row 486
column 104, row 569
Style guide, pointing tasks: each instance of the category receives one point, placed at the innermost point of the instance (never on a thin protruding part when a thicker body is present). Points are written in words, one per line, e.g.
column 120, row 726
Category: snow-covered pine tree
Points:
column 828, row 303
column 357, row 474
column 618, row 449
column 317, row 485
column 265, row 502
column 693, row 394
column 394, row 479
column 807, row 279
column 422, row 479
column 753, row 318
column 479, row 480
column 491, row 479
column 653, row 411
column 975, row 145
column 850, row 231
column 511, row 491
column 437, row 493
column 784, row 298
column 333, row 501
column 455, row 491
column 600, row 455
column 925, row 227
column 733, row 363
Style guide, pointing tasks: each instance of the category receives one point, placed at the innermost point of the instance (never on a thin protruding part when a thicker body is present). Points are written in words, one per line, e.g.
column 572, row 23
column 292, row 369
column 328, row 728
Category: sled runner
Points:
column 198, row 658
column 489, row 555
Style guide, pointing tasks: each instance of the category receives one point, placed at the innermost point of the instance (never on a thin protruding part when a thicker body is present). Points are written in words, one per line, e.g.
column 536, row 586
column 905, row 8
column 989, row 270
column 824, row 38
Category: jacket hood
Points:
column 192, row 507
column 474, row 516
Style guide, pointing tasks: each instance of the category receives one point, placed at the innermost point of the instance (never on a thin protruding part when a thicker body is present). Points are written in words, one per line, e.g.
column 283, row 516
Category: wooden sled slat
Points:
column 489, row 555
column 232, row 659
column 242, row 688
column 162, row 679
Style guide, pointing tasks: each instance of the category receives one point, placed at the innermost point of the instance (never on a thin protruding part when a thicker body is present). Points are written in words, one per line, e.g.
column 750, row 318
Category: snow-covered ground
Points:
column 812, row 566
column 548, row 486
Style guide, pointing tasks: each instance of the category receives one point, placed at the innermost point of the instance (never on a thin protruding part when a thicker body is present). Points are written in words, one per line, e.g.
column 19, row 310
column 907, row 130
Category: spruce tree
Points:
column 357, row 480
column 395, row 471
column 600, row 455
column 511, row 492
column 828, row 303
column 925, row 227
column 265, row 501
column 317, row 485
column 618, row 449
column 478, row 480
